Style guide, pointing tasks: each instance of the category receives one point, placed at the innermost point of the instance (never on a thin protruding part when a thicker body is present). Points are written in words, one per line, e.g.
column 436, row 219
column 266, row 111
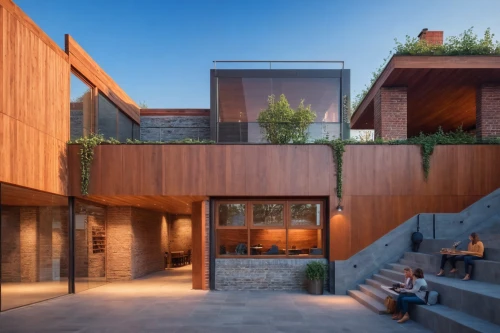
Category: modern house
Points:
column 250, row 214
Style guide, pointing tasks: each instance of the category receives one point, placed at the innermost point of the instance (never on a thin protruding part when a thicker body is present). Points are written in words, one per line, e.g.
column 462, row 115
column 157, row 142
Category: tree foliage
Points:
column 282, row 124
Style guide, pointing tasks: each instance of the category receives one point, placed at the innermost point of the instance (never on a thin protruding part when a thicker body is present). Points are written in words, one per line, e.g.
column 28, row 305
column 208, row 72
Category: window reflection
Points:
column 80, row 108
column 305, row 215
column 34, row 241
column 90, row 245
column 269, row 215
column 242, row 99
column 232, row 215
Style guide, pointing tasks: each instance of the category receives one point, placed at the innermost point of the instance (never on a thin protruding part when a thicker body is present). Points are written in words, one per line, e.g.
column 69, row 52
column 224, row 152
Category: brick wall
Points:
column 488, row 111
column 45, row 244
column 119, row 244
column 180, row 233
column 261, row 274
column 29, row 244
column 390, row 113
column 207, row 245
column 147, row 252
column 432, row 37
column 96, row 261
column 168, row 128
column 11, row 243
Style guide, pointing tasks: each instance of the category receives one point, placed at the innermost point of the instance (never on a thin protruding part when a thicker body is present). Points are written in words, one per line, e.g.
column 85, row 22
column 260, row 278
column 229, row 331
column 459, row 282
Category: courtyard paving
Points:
column 164, row 302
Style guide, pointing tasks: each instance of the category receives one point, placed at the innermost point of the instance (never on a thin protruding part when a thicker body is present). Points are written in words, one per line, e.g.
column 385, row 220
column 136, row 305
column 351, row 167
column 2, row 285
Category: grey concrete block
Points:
column 172, row 134
column 150, row 134
column 261, row 274
column 175, row 121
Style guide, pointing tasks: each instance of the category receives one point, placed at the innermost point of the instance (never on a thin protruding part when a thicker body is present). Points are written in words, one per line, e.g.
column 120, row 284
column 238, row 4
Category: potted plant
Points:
column 316, row 275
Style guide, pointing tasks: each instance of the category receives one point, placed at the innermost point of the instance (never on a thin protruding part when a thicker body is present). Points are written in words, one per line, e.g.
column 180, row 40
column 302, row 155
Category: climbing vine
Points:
column 338, row 149
column 87, row 144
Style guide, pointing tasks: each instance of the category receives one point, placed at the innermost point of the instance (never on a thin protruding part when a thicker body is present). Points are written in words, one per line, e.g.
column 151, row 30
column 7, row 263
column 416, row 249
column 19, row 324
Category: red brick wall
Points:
column 488, row 111
column 11, row 243
column 432, row 37
column 390, row 113
column 29, row 244
column 147, row 251
column 119, row 244
column 180, row 233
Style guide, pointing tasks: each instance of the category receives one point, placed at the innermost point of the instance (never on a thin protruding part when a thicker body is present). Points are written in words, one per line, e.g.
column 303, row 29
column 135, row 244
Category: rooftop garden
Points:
column 467, row 43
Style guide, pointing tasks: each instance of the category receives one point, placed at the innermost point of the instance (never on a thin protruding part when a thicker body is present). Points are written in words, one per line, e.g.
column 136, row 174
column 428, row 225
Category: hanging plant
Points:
column 87, row 144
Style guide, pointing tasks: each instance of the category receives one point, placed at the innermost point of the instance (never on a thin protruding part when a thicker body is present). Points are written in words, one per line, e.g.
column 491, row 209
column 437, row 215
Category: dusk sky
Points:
column 160, row 52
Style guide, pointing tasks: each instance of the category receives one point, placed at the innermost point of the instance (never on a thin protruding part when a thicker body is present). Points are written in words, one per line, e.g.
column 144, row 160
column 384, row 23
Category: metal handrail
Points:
column 279, row 61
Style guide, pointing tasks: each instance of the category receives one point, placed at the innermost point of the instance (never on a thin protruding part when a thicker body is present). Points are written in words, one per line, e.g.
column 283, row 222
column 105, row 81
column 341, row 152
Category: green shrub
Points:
column 282, row 124
column 316, row 271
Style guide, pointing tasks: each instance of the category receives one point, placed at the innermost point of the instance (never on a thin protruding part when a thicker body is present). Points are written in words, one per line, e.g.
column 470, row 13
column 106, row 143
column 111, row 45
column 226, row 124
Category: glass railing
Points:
column 252, row 132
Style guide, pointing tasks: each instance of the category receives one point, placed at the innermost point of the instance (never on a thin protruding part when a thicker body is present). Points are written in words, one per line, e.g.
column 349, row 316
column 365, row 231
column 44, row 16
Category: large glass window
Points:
column 260, row 229
column 34, row 246
column 242, row 99
column 81, row 108
column 113, row 123
column 90, row 245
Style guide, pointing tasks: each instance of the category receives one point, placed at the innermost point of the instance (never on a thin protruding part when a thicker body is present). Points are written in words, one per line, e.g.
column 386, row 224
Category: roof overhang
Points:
column 441, row 90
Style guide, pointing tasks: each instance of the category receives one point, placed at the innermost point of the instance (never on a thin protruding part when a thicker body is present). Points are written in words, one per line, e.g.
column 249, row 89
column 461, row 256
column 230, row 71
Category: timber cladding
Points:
column 383, row 185
column 34, row 113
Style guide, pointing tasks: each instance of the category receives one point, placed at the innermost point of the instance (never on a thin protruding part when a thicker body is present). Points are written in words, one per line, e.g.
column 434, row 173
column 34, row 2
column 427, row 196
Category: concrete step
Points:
column 373, row 292
column 483, row 270
column 464, row 296
column 367, row 301
column 491, row 251
column 439, row 318
column 442, row 319
column 384, row 280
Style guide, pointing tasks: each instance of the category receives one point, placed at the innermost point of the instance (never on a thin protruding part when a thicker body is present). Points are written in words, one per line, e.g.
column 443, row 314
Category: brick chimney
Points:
column 431, row 37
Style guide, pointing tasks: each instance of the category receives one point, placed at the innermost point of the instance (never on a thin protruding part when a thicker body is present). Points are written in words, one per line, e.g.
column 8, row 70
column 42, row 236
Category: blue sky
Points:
column 160, row 51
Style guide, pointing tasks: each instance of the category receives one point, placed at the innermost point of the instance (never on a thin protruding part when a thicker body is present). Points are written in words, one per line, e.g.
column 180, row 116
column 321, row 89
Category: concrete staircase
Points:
column 464, row 306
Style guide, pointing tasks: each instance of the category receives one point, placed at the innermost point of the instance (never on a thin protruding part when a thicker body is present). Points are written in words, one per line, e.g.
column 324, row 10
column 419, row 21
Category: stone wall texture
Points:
column 119, row 243
column 29, row 244
column 261, row 274
column 390, row 113
column 180, row 233
column 488, row 111
column 147, row 251
column 11, row 243
column 169, row 128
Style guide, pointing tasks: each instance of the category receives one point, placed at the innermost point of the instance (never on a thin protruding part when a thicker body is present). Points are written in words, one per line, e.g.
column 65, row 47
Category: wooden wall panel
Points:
column 198, row 237
column 383, row 185
column 34, row 99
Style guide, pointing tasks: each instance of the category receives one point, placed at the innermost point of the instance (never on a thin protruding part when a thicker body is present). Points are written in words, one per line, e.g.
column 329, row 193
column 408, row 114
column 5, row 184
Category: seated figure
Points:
column 273, row 250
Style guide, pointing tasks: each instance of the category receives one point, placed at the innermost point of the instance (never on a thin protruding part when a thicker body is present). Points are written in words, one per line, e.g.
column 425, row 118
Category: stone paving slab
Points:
column 164, row 302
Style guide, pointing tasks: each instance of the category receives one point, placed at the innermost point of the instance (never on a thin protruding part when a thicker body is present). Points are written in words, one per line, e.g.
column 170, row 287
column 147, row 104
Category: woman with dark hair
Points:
column 475, row 251
column 416, row 295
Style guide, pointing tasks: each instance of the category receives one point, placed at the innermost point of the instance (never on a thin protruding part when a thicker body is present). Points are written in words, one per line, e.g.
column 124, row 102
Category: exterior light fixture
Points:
column 339, row 208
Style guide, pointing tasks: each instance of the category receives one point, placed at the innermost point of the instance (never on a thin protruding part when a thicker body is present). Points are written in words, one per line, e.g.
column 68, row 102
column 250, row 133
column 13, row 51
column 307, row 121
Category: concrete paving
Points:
column 164, row 302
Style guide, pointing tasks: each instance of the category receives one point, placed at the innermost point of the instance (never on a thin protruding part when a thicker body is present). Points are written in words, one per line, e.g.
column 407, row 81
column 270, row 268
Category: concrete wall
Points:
column 169, row 128
column 261, row 274
column 389, row 248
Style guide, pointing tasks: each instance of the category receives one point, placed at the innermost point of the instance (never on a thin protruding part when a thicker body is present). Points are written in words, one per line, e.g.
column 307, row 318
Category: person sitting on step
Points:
column 415, row 295
column 475, row 251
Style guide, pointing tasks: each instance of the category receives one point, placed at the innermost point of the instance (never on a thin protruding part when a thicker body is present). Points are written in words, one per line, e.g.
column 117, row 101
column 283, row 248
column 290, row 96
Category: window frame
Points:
column 286, row 227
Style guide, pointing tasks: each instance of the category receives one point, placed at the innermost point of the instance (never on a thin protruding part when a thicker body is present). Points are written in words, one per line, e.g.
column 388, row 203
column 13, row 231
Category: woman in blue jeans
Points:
column 475, row 248
column 416, row 295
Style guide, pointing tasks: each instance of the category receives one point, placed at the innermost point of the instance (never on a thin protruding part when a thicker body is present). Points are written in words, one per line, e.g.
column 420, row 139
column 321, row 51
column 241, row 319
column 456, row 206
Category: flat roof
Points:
column 441, row 90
